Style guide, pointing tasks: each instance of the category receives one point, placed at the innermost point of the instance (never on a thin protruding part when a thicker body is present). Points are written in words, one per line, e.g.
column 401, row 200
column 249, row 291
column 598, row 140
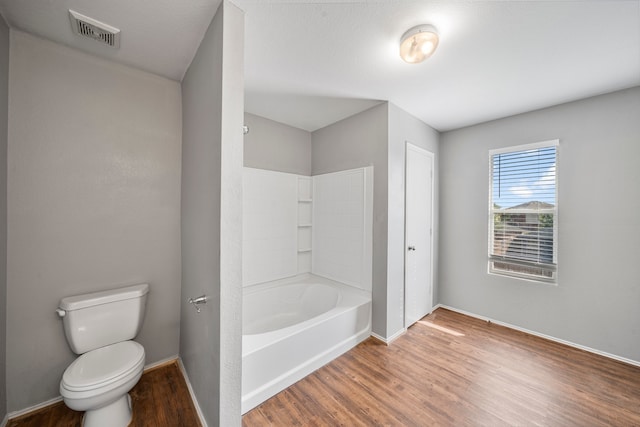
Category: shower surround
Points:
column 307, row 274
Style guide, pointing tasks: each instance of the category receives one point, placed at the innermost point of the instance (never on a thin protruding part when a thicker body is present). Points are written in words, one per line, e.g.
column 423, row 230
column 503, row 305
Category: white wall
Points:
column 212, row 97
column 275, row 146
column 596, row 300
column 4, row 99
column 269, row 226
column 342, row 226
column 287, row 222
column 93, row 202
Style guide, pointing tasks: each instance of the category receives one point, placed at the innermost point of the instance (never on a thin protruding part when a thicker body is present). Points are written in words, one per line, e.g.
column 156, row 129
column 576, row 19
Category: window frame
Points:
column 492, row 259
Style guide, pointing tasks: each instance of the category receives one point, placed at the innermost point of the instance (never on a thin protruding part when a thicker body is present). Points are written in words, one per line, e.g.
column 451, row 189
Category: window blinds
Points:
column 523, row 210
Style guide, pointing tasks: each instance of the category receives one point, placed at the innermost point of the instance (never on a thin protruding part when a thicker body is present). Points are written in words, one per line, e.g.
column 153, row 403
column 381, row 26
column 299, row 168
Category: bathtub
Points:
column 292, row 327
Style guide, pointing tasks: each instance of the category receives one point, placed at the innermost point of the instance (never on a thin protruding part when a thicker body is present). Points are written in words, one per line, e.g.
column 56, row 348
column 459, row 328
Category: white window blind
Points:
column 523, row 208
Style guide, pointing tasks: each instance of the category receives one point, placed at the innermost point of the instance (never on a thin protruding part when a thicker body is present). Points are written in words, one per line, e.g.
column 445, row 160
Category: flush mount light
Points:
column 418, row 43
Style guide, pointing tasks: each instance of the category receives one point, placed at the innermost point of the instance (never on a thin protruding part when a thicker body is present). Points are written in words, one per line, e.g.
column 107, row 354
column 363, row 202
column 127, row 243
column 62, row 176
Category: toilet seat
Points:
column 107, row 365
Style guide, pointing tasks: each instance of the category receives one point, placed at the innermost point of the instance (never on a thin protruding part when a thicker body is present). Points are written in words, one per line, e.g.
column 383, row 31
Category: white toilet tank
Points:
column 101, row 318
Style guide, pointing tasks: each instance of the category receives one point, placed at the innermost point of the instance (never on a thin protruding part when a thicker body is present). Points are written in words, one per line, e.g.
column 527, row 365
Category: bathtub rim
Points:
column 349, row 298
column 254, row 398
column 359, row 302
column 299, row 278
column 337, row 296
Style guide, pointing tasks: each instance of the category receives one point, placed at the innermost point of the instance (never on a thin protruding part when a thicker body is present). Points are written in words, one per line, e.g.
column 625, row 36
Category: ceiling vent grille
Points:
column 89, row 27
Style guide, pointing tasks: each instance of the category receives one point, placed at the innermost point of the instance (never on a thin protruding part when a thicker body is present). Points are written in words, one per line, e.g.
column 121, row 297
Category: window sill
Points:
column 530, row 279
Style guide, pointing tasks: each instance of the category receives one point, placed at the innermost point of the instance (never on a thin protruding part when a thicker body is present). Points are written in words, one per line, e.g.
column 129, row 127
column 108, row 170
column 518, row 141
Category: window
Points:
column 523, row 207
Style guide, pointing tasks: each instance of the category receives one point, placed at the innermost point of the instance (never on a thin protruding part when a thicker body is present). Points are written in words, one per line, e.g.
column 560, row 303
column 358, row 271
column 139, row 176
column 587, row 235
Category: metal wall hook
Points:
column 197, row 301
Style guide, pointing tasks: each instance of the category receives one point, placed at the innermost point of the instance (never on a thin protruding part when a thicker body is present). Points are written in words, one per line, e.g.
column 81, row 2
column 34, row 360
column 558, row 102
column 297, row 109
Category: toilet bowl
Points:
column 100, row 328
column 98, row 382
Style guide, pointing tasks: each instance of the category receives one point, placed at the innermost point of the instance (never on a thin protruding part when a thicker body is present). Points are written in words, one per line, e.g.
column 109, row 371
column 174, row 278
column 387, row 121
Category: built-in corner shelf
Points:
column 305, row 223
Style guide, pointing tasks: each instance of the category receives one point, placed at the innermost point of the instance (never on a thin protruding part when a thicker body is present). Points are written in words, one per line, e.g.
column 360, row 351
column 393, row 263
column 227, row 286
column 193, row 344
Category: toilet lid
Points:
column 103, row 366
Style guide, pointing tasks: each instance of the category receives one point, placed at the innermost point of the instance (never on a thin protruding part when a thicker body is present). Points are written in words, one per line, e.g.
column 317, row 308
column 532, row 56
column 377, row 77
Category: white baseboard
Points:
column 193, row 396
column 392, row 338
column 36, row 407
column 57, row 399
column 160, row 363
column 548, row 337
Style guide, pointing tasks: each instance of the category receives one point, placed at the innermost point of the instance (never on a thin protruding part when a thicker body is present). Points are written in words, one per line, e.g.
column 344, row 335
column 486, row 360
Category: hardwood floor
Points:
column 447, row 370
column 160, row 399
column 454, row 370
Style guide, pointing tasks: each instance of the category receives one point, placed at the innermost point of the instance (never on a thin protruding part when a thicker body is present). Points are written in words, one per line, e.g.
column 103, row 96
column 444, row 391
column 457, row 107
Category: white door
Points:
column 418, row 297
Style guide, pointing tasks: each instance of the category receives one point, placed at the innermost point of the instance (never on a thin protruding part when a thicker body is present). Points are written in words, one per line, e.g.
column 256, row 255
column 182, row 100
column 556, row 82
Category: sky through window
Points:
column 522, row 177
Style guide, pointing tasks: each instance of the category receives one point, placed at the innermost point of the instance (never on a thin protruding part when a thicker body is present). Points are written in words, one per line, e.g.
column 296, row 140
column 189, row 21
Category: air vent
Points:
column 89, row 27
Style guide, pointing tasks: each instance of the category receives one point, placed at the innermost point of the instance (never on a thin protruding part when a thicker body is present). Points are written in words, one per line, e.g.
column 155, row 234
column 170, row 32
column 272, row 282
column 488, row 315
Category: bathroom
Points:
column 116, row 205
column 110, row 177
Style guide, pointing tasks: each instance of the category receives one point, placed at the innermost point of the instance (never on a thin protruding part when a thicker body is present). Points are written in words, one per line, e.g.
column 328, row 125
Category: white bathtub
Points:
column 292, row 327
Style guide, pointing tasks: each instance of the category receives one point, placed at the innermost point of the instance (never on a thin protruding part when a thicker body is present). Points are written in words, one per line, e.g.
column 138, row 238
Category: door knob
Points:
column 411, row 248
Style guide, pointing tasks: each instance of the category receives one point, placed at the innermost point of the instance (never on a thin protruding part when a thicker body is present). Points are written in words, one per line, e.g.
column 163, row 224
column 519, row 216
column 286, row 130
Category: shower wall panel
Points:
column 342, row 226
column 270, row 231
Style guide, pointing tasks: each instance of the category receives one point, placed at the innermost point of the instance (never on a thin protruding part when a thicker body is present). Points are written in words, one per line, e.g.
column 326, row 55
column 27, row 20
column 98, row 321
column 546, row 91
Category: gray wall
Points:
column 404, row 128
column 275, row 146
column 93, row 202
column 212, row 100
column 4, row 99
column 595, row 302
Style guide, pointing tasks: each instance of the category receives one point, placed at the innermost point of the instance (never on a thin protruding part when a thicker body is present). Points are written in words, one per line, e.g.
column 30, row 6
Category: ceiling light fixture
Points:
column 418, row 43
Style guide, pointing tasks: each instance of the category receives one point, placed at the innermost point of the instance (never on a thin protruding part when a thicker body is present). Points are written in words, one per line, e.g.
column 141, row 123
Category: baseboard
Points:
column 149, row 367
column 25, row 411
column 547, row 337
column 193, row 395
column 161, row 363
column 391, row 339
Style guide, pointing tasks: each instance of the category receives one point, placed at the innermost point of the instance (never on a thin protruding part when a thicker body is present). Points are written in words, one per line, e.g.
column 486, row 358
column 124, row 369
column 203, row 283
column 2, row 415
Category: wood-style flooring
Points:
column 454, row 370
column 447, row 370
column 160, row 399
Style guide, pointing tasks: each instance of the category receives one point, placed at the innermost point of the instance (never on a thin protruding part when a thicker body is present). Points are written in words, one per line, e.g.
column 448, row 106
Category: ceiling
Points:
column 309, row 63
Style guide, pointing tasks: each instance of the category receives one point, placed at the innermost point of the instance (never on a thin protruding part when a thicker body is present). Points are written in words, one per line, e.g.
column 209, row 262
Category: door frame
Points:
column 411, row 146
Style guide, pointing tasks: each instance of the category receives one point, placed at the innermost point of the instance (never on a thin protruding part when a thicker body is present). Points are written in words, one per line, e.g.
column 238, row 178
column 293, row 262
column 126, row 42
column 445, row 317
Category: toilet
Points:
column 100, row 327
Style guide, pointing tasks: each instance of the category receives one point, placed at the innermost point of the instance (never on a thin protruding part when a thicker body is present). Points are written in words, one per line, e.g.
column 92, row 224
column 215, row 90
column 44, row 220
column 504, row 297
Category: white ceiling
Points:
column 310, row 63
column 159, row 36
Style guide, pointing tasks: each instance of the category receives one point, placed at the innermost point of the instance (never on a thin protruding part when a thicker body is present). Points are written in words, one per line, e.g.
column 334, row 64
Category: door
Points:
column 418, row 295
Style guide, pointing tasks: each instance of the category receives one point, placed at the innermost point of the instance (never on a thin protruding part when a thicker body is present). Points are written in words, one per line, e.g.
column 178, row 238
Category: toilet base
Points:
column 116, row 414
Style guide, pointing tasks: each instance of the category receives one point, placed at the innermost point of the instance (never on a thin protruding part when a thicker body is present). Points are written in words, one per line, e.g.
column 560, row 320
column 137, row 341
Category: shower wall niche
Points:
column 305, row 223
